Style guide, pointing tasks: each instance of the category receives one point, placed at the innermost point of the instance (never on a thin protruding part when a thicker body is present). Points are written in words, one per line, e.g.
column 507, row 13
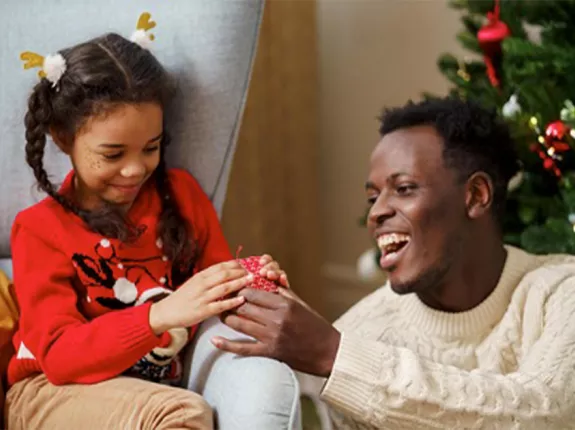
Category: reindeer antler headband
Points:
column 140, row 36
column 52, row 67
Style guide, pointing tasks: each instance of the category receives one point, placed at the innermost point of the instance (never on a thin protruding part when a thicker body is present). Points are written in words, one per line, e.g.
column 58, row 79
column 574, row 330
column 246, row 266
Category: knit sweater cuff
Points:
column 134, row 329
column 357, row 366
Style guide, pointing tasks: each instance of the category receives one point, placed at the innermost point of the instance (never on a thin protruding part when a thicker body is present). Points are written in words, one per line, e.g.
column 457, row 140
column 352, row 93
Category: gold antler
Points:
column 31, row 59
column 145, row 23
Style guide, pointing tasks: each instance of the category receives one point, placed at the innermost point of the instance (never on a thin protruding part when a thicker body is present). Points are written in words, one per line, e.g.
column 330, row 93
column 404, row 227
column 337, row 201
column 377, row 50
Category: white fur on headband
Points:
column 140, row 37
column 54, row 67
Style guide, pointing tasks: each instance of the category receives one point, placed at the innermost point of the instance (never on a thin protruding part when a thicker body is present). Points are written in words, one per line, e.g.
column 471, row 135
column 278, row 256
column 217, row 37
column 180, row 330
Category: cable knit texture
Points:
column 509, row 363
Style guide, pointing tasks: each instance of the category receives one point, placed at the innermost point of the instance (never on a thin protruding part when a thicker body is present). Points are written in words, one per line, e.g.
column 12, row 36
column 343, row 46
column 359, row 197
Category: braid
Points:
column 106, row 221
column 178, row 241
column 37, row 122
column 101, row 74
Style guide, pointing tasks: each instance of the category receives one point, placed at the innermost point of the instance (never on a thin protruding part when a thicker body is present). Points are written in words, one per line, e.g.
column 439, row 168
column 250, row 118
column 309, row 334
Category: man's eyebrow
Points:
column 371, row 186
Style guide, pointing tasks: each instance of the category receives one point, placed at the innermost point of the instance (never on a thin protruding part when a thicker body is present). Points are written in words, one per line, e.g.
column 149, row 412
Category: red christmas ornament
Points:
column 490, row 38
column 252, row 265
column 556, row 135
column 548, row 162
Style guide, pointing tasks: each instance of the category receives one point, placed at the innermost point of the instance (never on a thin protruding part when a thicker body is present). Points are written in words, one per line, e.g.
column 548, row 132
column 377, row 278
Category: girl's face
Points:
column 114, row 154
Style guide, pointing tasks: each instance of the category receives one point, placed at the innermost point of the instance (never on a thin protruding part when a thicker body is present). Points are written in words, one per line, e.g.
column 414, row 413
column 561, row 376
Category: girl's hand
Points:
column 202, row 296
column 271, row 270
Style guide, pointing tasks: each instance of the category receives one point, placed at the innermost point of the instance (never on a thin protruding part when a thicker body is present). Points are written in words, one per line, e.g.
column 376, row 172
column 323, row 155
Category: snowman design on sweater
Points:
column 115, row 283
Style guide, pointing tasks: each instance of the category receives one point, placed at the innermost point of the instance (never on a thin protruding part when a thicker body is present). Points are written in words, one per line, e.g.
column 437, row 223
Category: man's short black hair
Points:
column 475, row 139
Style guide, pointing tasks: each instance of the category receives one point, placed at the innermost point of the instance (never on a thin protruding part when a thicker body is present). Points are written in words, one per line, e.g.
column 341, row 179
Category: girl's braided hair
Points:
column 102, row 74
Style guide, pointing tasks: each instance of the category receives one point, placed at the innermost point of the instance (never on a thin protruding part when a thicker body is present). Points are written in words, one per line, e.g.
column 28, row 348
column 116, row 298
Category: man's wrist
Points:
column 332, row 347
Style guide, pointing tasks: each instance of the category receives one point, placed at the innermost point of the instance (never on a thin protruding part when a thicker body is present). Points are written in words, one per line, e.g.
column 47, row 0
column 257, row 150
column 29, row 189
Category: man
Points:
column 467, row 332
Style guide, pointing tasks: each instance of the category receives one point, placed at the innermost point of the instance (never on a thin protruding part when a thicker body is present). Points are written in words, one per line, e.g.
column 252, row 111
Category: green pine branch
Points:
column 541, row 73
column 538, row 67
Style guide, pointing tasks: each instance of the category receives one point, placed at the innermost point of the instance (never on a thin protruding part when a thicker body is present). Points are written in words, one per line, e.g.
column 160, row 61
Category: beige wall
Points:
column 272, row 205
column 372, row 53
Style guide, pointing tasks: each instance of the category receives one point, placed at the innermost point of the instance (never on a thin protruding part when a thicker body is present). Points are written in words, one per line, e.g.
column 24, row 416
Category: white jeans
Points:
column 246, row 393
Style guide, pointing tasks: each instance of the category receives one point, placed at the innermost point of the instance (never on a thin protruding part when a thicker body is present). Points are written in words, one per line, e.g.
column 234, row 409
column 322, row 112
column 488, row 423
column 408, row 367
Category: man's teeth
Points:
column 385, row 240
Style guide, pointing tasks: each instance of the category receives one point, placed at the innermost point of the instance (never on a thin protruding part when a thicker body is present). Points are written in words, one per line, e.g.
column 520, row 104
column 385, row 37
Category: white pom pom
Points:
column 140, row 37
column 125, row 291
column 54, row 67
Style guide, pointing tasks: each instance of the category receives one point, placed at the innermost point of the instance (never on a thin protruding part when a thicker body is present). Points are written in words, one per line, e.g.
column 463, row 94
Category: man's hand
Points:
column 285, row 329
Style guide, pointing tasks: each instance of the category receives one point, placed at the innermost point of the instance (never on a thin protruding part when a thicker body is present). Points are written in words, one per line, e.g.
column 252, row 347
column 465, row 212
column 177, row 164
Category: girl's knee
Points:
column 202, row 416
column 183, row 410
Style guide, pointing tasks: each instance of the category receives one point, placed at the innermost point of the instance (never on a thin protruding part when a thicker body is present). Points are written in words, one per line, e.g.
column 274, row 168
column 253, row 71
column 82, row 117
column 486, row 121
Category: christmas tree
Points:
column 521, row 62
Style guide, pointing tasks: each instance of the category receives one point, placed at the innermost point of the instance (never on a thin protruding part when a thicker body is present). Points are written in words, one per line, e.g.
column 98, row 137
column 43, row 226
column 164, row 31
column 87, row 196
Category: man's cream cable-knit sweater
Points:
column 508, row 363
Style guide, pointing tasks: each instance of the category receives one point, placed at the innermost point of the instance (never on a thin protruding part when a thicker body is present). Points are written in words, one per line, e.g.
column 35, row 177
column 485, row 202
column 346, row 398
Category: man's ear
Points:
column 60, row 141
column 478, row 195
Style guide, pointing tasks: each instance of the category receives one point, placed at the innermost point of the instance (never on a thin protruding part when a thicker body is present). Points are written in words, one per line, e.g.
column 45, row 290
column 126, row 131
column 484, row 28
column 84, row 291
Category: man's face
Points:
column 417, row 210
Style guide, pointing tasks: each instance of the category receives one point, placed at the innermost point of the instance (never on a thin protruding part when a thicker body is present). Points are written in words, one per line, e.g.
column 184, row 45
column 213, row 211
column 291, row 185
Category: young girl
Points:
column 114, row 270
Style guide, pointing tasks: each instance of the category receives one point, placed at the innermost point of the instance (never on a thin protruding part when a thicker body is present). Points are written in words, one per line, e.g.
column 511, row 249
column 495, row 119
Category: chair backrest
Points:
column 6, row 266
column 208, row 44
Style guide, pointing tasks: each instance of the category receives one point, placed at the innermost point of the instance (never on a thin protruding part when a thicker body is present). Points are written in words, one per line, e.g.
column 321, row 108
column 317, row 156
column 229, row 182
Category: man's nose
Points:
column 380, row 211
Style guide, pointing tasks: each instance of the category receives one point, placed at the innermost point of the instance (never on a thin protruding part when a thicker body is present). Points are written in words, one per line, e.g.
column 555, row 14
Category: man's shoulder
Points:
column 550, row 272
column 545, row 263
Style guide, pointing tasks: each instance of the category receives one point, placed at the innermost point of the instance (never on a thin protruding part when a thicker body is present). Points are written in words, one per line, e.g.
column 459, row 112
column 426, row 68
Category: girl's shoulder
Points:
column 45, row 212
column 48, row 209
column 184, row 183
column 46, row 219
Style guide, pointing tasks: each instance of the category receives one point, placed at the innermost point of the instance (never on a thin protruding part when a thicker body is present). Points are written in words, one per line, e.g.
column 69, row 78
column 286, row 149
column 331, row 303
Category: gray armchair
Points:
column 209, row 45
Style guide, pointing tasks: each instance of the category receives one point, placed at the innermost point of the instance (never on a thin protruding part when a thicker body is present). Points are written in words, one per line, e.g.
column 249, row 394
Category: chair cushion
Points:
column 6, row 267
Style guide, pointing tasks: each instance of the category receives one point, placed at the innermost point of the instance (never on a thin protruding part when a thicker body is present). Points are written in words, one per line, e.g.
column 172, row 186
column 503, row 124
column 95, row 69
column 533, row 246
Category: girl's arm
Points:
column 68, row 348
